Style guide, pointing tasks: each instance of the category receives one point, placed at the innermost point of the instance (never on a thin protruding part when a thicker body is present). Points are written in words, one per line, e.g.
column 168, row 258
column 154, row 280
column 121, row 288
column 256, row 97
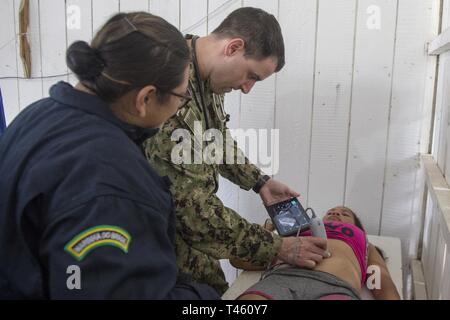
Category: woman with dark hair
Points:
column 82, row 214
column 340, row 277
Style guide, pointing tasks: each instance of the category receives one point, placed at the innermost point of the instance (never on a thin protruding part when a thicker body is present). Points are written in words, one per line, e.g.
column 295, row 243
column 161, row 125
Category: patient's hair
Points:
column 359, row 224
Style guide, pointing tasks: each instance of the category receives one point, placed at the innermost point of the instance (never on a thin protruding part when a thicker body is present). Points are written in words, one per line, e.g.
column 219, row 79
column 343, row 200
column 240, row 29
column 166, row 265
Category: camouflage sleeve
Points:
column 243, row 173
column 202, row 219
column 208, row 226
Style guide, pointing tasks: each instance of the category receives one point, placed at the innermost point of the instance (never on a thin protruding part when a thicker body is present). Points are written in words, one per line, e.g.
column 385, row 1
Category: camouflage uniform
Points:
column 206, row 229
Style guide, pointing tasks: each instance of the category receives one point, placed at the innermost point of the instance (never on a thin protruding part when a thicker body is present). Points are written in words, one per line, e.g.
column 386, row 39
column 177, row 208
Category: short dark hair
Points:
column 260, row 31
column 131, row 50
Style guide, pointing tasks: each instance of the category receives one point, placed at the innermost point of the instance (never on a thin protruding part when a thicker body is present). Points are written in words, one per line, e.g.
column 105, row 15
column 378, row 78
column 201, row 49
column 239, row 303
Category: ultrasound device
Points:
column 291, row 219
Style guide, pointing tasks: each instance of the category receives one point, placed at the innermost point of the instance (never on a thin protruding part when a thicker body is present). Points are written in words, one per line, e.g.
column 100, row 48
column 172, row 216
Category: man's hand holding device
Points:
column 290, row 219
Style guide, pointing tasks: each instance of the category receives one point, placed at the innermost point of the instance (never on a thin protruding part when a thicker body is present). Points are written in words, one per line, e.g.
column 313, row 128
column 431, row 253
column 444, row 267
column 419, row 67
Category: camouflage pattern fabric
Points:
column 206, row 229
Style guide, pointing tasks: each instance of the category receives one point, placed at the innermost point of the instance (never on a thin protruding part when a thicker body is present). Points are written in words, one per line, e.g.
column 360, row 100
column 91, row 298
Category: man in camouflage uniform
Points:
column 207, row 231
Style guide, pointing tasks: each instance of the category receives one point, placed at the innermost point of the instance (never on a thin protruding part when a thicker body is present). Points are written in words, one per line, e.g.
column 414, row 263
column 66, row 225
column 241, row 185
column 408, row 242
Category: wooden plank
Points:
column 429, row 97
column 426, row 131
column 426, row 142
column 403, row 183
column 31, row 90
column 218, row 10
column 167, row 9
column 294, row 99
column 133, row 5
column 435, row 177
column 416, row 220
column 444, row 222
column 445, row 14
column 426, row 229
column 440, row 44
column 420, row 292
column 25, row 51
column 9, row 61
column 441, row 113
column 445, row 139
column 441, row 123
column 102, row 10
column 423, row 140
column 440, row 192
column 194, row 17
column 336, row 27
column 425, row 125
column 427, row 252
column 445, row 292
column 79, row 24
column 432, row 249
column 443, row 276
column 53, row 42
column 438, row 266
column 372, row 81
column 435, row 259
column 257, row 112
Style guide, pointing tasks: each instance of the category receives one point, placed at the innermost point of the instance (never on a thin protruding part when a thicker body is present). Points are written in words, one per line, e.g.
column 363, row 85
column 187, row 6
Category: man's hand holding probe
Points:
column 303, row 252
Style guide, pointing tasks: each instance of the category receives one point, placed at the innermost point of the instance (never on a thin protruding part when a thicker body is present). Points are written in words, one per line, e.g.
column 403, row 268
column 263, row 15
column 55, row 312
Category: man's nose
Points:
column 334, row 214
column 247, row 87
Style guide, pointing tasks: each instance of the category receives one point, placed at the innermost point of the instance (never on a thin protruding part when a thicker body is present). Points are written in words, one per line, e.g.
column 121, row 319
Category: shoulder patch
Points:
column 95, row 237
column 189, row 119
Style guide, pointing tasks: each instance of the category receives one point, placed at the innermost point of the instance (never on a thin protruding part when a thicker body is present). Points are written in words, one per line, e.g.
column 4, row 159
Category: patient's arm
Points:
column 388, row 291
column 245, row 265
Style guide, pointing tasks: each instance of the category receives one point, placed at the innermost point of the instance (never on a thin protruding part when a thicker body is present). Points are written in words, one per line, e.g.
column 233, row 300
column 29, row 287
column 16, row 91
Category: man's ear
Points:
column 234, row 46
column 144, row 99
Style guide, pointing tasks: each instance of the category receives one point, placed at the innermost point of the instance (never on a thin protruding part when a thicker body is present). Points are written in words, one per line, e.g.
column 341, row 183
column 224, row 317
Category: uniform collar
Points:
column 64, row 93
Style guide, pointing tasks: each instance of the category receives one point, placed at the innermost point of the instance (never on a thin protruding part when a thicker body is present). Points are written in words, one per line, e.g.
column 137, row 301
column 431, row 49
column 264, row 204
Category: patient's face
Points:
column 341, row 214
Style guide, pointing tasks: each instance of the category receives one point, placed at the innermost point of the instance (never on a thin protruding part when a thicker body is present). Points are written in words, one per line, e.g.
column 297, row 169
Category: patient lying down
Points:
column 340, row 277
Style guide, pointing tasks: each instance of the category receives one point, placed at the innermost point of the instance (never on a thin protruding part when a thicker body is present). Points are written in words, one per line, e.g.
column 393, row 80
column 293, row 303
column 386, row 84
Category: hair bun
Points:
column 84, row 61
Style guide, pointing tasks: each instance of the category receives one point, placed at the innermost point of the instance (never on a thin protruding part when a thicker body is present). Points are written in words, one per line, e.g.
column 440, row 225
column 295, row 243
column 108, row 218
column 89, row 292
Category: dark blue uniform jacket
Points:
column 82, row 214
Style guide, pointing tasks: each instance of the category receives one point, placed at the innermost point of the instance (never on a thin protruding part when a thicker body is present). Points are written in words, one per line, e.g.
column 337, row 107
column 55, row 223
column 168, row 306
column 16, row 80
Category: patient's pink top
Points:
column 351, row 235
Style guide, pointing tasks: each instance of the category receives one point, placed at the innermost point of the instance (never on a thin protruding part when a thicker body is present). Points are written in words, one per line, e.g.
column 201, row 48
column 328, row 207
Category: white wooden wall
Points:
column 353, row 103
column 441, row 148
column 435, row 249
column 436, row 259
column 435, row 255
